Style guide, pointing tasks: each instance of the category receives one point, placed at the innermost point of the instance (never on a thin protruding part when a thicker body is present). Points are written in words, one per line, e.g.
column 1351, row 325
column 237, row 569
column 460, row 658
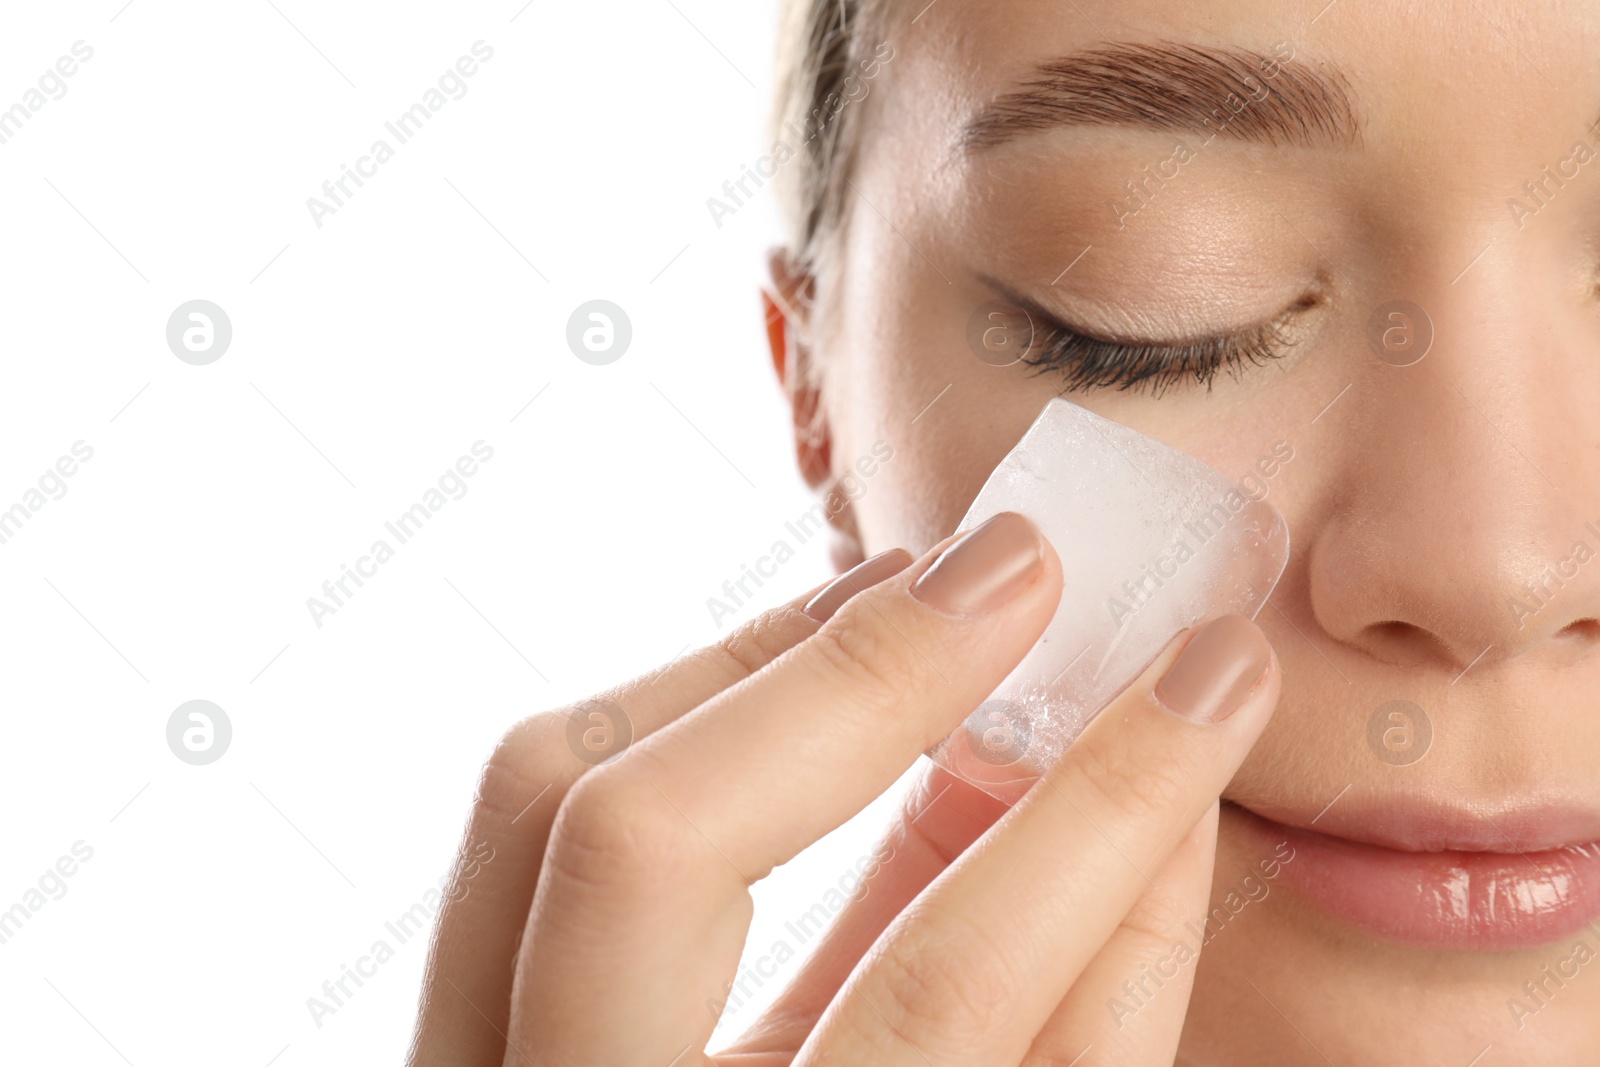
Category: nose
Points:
column 1466, row 529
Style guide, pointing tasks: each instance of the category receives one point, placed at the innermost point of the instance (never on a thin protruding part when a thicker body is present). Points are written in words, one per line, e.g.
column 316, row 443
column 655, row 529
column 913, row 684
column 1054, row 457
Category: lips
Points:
column 1440, row 879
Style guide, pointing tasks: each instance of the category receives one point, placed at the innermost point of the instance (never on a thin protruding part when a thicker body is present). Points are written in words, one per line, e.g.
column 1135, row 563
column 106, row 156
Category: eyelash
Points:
column 1091, row 363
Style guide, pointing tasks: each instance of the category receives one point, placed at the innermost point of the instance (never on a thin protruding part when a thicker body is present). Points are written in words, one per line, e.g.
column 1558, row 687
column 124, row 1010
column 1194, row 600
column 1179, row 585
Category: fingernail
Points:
column 863, row 575
column 985, row 568
column 1216, row 671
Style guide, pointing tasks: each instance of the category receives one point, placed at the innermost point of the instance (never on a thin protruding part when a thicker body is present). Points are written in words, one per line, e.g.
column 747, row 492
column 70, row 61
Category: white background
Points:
column 367, row 356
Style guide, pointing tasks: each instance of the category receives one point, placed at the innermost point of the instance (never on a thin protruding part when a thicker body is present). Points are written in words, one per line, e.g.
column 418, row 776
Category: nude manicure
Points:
column 865, row 575
column 988, row 566
column 1216, row 671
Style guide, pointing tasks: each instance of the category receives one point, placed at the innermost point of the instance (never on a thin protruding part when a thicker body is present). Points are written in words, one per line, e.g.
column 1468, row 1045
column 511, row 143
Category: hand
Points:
column 617, row 903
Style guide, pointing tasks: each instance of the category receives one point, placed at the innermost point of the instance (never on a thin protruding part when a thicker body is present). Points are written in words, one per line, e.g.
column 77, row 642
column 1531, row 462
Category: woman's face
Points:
column 1445, row 516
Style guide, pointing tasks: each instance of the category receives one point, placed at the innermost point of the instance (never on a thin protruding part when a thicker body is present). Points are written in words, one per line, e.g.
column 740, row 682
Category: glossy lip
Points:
column 1415, row 824
column 1435, row 877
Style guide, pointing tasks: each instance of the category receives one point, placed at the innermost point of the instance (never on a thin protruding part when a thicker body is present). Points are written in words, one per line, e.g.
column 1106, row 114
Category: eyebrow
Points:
column 1230, row 92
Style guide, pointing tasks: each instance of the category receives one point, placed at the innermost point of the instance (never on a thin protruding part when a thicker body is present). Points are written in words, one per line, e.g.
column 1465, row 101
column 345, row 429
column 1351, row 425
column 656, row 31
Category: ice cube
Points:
column 1152, row 541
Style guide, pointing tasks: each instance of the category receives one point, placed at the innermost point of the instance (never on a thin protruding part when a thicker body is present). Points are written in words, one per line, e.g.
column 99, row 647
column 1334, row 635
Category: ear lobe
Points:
column 813, row 443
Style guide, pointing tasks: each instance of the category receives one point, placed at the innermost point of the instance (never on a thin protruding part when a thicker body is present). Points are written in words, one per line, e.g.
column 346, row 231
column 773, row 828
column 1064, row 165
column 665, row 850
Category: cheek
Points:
column 943, row 453
column 923, row 494
column 898, row 370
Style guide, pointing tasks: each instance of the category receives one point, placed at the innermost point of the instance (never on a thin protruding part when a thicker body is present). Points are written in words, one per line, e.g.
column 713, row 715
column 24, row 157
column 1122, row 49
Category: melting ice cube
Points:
column 1152, row 541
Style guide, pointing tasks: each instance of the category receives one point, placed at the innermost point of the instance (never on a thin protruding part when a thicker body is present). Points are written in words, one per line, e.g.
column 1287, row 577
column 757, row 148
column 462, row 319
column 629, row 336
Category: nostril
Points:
column 1582, row 630
column 1405, row 643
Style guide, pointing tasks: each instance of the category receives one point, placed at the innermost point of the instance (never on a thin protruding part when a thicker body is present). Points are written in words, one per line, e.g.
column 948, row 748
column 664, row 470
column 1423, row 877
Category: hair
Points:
column 820, row 42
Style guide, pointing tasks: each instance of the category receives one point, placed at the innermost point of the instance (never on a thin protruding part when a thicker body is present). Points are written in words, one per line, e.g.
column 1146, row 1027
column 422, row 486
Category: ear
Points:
column 787, row 305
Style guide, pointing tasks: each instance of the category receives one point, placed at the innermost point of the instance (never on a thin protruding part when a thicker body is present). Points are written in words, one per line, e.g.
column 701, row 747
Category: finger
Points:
column 1128, row 1006
column 939, row 819
column 465, row 1002
column 643, row 902
column 973, row 969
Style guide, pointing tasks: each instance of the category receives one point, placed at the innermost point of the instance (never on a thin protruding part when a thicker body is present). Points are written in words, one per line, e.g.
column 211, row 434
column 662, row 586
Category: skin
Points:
column 1420, row 501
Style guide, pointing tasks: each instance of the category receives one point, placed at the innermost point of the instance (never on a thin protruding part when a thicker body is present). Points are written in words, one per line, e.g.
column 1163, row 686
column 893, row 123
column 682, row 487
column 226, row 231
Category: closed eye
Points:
column 1087, row 361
